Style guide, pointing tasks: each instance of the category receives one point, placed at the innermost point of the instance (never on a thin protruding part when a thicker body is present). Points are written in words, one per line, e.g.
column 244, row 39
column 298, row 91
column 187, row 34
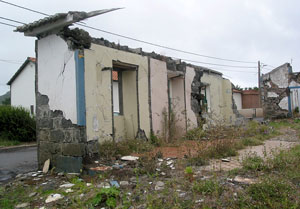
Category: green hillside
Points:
column 4, row 96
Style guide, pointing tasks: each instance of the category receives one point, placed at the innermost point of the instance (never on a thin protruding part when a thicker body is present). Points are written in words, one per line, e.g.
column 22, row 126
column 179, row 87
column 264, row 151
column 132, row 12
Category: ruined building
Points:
column 89, row 90
column 280, row 92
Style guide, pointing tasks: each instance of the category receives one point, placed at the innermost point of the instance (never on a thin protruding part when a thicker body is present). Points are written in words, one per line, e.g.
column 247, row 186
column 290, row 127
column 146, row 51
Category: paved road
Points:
column 17, row 161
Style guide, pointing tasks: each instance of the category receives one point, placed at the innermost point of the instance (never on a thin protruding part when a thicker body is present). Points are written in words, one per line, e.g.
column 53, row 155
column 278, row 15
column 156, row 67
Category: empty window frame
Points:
column 117, row 92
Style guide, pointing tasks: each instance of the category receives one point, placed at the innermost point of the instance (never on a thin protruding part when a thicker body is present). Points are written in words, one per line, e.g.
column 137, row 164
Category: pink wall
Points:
column 177, row 89
column 159, row 93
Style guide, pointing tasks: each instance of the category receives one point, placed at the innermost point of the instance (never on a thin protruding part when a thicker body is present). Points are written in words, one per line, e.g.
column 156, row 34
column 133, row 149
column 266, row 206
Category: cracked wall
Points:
column 98, row 65
column 275, row 93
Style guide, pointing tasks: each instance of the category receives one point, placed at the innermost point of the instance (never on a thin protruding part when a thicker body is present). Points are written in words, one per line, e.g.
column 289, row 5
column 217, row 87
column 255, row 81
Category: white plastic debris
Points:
column 129, row 158
column 53, row 197
column 69, row 185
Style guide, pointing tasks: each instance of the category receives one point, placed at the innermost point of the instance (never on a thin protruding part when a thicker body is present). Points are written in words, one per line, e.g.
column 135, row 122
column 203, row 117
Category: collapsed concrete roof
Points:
column 55, row 22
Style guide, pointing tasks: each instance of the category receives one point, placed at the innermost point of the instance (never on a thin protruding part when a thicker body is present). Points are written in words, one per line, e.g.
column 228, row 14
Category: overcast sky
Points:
column 246, row 30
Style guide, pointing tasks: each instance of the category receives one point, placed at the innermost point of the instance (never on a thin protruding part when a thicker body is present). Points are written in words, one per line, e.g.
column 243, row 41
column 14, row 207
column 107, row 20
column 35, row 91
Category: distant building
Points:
column 22, row 86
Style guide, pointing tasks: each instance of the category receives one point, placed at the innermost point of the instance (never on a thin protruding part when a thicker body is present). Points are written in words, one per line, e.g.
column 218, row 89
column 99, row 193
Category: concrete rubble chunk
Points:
column 22, row 205
column 68, row 185
column 243, row 180
column 88, row 184
column 159, row 185
column 129, row 158
column 69, row 190
column 53, row 197
column 225, row 160
column 46, row 166
column 199, row 201
column 124, row 183
column 32, row 194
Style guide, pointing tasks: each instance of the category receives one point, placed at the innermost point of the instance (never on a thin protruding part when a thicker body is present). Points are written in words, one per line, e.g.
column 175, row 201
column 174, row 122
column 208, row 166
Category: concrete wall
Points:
column 22, row 89
column 56, row 75
column 98, row 65
column 220, row 99
column 178, row 104
column 59, row 137
column 238, row 100
column 190, row 115
column 159, row 94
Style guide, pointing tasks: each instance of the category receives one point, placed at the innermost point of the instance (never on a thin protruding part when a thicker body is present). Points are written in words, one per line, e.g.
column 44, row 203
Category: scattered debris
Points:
column 243, row 180
column 46, row 166
column 225, row 160
column 101, row 168
column 23, row 205
column 32, row 194
column 199, row 201
column 159, row 185
column 53, row 197
column 88, row 184
column 124, row 183
column 129, row 158
column 69, row 190
column 69, row 185
column 114, row 184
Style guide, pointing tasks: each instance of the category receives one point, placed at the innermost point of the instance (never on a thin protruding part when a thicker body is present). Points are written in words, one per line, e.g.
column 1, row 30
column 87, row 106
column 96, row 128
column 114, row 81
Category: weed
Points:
column 208, row 187
column 271, row 193
column 109, row 149
column 106, row 197
column 253, row 163
column 188, row 170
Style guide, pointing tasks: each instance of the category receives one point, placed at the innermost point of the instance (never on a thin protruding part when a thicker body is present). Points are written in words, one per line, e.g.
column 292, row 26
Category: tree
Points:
column 6, row 101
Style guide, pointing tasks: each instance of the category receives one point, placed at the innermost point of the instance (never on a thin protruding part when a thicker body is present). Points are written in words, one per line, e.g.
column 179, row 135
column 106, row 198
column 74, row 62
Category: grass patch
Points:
column 253, row 163
column 208, row 187
column 109, row 149
column 7, row 143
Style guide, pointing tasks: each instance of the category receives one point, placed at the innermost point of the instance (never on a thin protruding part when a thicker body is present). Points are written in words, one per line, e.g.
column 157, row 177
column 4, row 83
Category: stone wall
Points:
column 59, row 140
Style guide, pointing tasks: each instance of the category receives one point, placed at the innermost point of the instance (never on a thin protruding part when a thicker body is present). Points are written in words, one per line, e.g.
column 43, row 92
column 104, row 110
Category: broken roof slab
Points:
column 58, row 21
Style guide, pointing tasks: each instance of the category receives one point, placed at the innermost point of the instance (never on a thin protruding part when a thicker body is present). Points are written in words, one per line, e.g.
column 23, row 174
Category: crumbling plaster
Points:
column 57, row 75
column 221, row 99
column 98, row 90
column 159, row 94
column 190, row 114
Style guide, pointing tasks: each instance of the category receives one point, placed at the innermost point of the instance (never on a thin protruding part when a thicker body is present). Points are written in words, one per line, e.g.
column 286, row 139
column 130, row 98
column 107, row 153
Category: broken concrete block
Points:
column 46, row 166
column 23, row 205
column 129, row 158
column 225, row 160
column 69, row 185
column 53, row 197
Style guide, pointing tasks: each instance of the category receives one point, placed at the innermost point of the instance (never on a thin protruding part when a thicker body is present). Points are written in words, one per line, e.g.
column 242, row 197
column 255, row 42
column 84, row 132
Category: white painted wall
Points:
column 237, row 97
column 23, row 88
column 57, row 75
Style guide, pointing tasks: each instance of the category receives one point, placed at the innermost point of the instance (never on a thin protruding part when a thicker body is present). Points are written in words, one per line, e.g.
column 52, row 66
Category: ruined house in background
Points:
column 280, row 92
column 90, row 90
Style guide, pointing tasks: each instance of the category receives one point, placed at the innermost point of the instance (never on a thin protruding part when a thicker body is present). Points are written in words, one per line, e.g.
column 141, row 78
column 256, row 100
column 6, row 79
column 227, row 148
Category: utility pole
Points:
column 259, row 87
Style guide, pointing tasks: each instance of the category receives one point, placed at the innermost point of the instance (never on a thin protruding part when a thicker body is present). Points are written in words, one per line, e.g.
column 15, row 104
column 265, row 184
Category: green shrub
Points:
column 16, row 124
